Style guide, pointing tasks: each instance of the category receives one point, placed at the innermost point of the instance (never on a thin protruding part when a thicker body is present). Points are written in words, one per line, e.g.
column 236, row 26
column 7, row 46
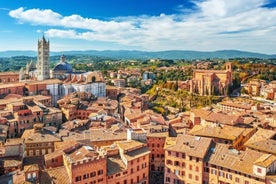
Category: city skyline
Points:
column 207, row 25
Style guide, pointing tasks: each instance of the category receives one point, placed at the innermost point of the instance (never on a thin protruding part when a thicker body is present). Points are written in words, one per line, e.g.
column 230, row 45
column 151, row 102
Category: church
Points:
column 41, row 70
column 212, row 82
column 62, row 80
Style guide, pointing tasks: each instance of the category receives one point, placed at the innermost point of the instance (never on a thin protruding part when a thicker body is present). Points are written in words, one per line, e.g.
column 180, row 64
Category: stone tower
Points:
column 43, row 50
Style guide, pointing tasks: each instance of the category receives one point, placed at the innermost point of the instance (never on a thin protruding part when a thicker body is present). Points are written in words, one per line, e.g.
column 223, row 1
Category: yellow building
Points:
column 231, row 135
column 229, row 166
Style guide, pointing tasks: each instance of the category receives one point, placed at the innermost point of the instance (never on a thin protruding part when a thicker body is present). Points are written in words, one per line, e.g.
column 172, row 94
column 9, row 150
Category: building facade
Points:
column 212, row 82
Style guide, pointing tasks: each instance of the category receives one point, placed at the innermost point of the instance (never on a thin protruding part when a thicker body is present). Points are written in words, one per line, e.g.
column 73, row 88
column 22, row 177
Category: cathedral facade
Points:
column 41, row 70
column 212, row 82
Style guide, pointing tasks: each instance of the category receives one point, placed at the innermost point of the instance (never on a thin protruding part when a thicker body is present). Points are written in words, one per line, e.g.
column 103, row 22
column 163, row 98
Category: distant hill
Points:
column 128, row 54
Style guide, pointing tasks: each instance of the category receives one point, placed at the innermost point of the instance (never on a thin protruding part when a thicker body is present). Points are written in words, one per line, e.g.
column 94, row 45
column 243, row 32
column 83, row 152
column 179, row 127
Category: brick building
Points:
column 86, row 165
column 9, row 77
column 38, row 142
column 134, row 157
column 112, row 92
column 184, row 159
column 212, row 82
column 23, row 112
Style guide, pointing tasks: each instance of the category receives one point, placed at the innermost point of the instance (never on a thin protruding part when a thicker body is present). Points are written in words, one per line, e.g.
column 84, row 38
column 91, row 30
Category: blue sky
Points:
column 151, row 25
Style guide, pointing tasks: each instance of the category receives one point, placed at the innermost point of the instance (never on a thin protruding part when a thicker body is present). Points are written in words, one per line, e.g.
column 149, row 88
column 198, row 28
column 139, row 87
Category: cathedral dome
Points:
column 63, row 65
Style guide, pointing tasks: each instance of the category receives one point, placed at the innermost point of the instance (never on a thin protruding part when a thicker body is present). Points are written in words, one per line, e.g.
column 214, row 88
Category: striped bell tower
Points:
column 43, row 50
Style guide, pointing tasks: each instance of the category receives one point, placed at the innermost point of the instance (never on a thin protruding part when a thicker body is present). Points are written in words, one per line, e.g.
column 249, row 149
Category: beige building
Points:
column 226, row 165
column 184, row 159
column 233, row 136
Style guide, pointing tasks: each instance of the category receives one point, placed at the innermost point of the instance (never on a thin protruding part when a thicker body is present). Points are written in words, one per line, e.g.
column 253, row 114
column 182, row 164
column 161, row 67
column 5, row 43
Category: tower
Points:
column 43, row 49
column 228, row 66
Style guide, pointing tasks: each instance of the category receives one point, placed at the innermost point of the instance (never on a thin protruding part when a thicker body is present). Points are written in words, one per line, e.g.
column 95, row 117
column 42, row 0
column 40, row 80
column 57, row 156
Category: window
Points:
column 196, row 178
column 190, row 158
column 221, row 174
column 197, row 169
column 85, row 176
column 259, row 170
column 183, row 164
column 168, row 179
column 237, row 180
column 93, row 174
column 183, row 155
column 190, row 167
column 190, row 176
column 206, row 169
column 100, row 172
column 176, row 163
column 246, row 182
column 177, row 154
column 144, row 165
column 118, row 174
column 78, row 178
column 213, row 171
column 169, row 162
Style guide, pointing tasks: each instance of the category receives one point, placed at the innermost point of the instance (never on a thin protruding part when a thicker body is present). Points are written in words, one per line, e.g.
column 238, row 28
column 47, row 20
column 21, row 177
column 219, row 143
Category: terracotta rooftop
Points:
column 237, row 105
column 133, row 149
column 14, row 141
column 54, row 175
column 191, row 145
column 9, row 73
column 240, row 161
column 210, row 71
column 82, row 153
column 260, row 135
column 11, row 163
column 31, row 136
column 31, row 168
column 222, row 131
column 201, row 113
column 115, row 165
column 95, row 135
column 130, row 145
column 265, row 160
column 267, row 146
column 137, row 153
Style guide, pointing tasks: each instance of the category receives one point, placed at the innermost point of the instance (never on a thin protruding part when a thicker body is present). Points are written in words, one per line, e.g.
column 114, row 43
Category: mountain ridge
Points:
column 135, row 54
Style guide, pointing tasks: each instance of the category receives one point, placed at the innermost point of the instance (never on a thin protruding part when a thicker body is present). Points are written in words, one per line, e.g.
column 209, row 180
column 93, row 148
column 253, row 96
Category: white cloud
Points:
column 36, row 16
column 218, row 24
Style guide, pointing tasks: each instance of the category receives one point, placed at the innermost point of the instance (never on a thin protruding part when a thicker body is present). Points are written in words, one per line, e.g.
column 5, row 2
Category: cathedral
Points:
column 65, row 79
column 212, row 82
column 41, row 70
